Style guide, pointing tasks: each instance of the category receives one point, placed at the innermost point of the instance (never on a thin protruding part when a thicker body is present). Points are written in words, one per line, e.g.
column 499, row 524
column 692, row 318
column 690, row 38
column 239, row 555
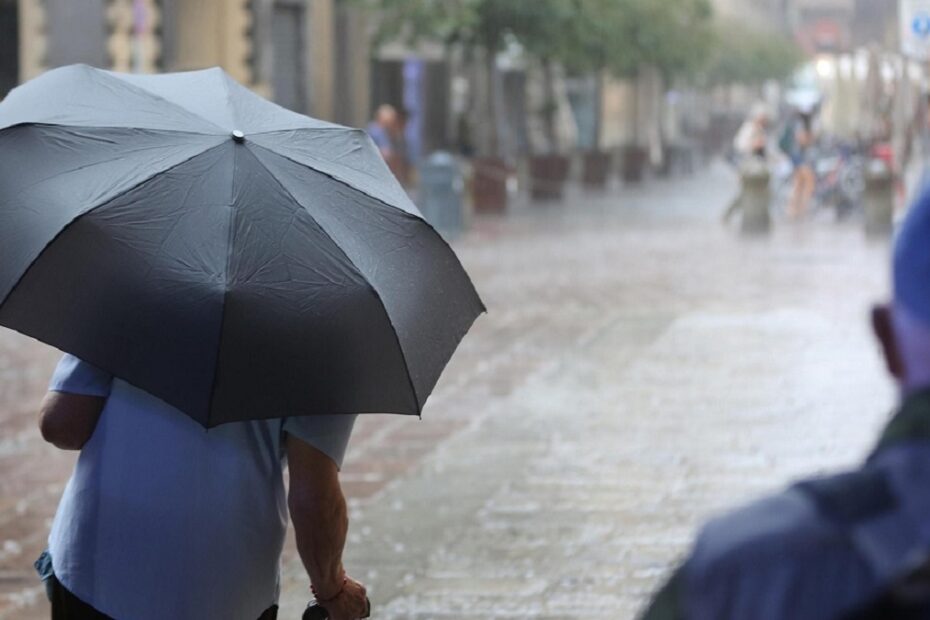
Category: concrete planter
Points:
column 634, row 164
column 489, row 184
column 595, row 169
column 548, row 174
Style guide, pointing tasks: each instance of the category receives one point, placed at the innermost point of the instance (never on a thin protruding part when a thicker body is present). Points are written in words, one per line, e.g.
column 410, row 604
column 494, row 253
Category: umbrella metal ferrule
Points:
column 238, row 136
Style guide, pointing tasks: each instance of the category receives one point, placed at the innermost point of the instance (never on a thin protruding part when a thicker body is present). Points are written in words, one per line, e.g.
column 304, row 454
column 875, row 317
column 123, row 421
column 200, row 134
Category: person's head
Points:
column 807, row 119
column 760, row 115
column 386, row 115
column 903, row 327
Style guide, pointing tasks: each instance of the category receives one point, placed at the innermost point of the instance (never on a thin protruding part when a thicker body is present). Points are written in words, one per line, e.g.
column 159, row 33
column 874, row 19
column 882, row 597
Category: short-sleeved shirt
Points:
column 165, row 519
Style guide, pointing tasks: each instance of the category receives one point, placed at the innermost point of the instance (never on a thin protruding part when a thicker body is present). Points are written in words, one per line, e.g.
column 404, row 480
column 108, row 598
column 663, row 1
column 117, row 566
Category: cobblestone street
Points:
column 640, row 368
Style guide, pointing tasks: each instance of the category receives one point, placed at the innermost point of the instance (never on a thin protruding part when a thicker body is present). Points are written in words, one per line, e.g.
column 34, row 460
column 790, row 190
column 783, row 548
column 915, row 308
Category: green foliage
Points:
column 584, row 35
column 471, row 23
column 745, row 56
column 621, row 36
column 413, row 20
column 677, row 35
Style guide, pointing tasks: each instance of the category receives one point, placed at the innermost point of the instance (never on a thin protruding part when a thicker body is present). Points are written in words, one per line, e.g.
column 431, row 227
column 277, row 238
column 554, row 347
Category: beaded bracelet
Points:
column 342, row 587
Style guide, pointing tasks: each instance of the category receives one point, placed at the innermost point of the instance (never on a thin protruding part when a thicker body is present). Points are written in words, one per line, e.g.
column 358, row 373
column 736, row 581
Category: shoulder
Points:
column 779, row 557
column 781, row 523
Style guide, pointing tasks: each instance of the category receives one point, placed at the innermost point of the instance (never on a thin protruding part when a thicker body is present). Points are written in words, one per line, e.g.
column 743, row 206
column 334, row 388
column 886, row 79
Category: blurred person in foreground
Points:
column 751, row 143
column 164, row 519
column 853, row 546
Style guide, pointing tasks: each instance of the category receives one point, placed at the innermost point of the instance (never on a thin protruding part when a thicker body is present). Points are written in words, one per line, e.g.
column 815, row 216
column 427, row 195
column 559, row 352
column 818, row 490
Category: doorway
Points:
column 9, row 45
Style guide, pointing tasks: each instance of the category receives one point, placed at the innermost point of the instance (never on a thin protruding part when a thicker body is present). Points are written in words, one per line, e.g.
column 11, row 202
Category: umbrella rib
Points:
column 333, row 128
column 229, row 106
column 403, row 355
column 340, row 181
column 182, row 132
column 97, row 206
column 219, row 347
column 98, row 163
column 355, row 189
column 167, row 102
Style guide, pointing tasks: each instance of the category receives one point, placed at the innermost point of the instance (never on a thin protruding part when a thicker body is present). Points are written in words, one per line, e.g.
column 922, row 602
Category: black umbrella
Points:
column 235, row 259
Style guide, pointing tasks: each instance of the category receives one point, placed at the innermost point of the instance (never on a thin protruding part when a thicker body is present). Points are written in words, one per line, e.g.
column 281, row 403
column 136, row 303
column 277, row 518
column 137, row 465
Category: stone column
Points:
column 33, row 40
column 132, row 42
column 214, row 33
column 321, row 15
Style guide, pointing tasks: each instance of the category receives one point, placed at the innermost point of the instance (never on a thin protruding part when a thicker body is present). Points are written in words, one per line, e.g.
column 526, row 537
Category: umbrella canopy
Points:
column 233, row 258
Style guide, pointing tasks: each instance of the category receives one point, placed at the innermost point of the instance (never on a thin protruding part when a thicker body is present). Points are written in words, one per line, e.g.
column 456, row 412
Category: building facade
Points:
column 758, row 14
column 876, row 23
column 311, row 56
column 824, row 26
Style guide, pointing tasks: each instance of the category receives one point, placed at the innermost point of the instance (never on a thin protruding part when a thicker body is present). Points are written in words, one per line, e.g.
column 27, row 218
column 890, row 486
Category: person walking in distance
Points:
column 801, row 153
column 751, row 143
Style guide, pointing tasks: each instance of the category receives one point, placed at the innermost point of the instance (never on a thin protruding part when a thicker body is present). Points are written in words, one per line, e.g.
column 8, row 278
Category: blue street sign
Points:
column 914, row 18
column 921, row 25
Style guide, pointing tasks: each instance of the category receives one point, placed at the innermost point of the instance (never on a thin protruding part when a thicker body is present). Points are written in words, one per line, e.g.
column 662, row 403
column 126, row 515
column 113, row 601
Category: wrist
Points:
column 331, row 590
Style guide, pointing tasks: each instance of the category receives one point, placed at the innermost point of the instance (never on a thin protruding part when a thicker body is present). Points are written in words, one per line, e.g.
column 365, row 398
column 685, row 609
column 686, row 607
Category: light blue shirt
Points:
column 164, row 519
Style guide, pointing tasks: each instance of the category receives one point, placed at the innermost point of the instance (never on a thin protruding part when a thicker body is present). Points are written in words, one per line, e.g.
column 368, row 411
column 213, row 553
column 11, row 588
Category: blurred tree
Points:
column 745, row 56
column 586, row 36
column 548, row 31
column 622, row 37
column 478, row 26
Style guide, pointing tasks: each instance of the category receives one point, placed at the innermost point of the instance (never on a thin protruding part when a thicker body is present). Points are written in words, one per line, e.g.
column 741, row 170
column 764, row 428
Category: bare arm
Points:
column 318, row 510
column 68, row 420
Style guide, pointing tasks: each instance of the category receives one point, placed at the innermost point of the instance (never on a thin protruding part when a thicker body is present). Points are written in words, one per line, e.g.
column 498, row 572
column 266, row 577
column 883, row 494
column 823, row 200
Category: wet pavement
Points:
column 641, row 368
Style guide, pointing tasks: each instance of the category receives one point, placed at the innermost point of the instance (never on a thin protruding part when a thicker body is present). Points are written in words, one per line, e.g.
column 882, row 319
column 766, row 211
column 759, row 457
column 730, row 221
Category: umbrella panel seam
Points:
column 93, row 208
column 101, row 163
column 139, row 89
column 184, row 132
column 403, row 354
column 341, row 181
column 383, row 202
column 230, row 235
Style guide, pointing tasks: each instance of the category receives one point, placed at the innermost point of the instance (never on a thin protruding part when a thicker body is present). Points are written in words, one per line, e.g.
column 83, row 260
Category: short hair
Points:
column 386, row 113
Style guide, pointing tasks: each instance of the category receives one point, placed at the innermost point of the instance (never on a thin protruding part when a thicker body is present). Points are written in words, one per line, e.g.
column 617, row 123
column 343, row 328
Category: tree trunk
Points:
column 550, row 107
column 598, row 110
column 490, row 57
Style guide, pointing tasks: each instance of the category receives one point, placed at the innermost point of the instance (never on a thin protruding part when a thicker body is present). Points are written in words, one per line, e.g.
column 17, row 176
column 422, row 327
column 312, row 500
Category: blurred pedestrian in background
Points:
column 853, row 546
column 400, row 165
column 387, row 131
column 797, row 143
column 381, row 129
column 753, row 137
column 751, row 143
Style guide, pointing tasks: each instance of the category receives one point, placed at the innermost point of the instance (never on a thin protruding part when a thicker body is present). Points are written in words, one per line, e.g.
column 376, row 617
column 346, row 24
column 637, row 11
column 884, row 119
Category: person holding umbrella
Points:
column 852, row 546
column 164, row 520
column 233, row 283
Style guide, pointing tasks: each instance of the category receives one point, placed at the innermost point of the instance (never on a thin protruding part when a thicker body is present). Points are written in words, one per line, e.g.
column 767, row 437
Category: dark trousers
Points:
column 66, row 606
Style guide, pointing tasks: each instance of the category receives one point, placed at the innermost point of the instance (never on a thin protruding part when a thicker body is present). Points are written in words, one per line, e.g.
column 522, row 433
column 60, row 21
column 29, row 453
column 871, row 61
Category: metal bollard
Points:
column 879, row 199
column 756, row 198
column 441, row 188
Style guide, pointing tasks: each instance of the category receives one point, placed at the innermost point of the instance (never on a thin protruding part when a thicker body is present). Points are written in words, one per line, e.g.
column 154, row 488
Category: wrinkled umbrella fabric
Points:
column 233, row 258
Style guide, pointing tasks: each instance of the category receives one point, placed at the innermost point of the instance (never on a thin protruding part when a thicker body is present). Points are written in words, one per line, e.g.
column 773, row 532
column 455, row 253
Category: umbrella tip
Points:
column 238, row 136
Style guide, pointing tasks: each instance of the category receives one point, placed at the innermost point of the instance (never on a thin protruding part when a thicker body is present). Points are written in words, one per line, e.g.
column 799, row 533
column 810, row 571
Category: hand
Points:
column 351, row 604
